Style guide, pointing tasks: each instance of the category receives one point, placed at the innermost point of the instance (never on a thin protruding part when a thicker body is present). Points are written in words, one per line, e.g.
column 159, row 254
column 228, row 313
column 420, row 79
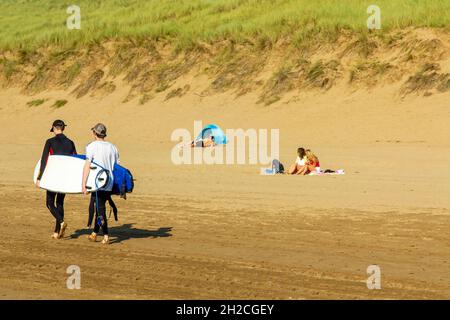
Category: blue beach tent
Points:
column 215, row 131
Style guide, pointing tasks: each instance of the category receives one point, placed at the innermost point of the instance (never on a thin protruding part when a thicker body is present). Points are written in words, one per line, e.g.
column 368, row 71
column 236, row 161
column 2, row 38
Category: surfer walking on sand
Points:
column 104, row 154
column 58, row 145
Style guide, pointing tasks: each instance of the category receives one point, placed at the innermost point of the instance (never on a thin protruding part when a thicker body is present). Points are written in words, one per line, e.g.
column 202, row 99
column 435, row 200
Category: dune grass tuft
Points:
column 35, row 103
column 59, row 104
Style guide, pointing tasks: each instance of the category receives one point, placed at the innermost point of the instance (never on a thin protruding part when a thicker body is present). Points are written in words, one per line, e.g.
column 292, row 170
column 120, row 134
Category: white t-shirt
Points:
column 104, row 154
column 300, row 162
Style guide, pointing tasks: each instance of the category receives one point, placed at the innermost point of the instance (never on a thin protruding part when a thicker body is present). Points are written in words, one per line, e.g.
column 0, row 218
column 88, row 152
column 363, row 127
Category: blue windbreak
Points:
column 215, row 131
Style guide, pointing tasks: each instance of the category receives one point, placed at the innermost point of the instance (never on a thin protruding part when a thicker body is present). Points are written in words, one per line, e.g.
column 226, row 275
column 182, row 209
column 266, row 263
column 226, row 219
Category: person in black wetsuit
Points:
column 58, row 145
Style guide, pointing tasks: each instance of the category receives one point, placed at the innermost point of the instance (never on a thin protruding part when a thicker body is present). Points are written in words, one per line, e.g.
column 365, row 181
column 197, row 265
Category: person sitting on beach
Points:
column 312, row 161
column 300, row 166
column 204, row 143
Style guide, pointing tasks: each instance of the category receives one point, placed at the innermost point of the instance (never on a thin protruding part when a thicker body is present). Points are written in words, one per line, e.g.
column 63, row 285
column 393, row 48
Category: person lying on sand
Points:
column 204, row 143
column 300, row 166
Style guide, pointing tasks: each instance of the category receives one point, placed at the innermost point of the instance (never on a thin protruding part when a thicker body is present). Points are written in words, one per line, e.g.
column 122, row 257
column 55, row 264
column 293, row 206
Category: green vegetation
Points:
column 35, row 103
column 28, row 24
column 59, row 104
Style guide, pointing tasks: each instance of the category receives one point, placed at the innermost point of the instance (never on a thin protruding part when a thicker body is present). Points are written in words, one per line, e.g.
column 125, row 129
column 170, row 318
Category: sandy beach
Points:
column 225, row 231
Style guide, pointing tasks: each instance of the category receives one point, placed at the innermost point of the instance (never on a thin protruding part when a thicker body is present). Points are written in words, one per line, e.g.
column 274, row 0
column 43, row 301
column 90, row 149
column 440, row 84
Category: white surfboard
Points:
column 64, row 174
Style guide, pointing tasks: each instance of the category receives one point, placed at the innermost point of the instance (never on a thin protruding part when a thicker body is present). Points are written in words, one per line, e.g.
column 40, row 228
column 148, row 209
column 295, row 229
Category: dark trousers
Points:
column 92, row 208
column 55, row 204
column 102, row 197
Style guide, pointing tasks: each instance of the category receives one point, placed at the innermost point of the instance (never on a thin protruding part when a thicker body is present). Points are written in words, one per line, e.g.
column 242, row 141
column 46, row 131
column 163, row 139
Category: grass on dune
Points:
column 28, row 24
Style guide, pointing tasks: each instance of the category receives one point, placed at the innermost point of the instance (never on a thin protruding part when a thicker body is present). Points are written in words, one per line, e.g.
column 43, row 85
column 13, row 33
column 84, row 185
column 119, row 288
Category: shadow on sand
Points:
column 126, row 232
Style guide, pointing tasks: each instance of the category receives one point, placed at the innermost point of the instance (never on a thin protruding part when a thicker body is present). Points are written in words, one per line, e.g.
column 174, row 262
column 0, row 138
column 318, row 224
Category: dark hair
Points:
column 101, row 136
column 301, row 152
column 58, row 124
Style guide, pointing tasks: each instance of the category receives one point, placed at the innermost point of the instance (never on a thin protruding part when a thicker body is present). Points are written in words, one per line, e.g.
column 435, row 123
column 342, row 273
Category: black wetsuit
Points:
column 102, row 197
column 58, row 145
column 92, row 208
